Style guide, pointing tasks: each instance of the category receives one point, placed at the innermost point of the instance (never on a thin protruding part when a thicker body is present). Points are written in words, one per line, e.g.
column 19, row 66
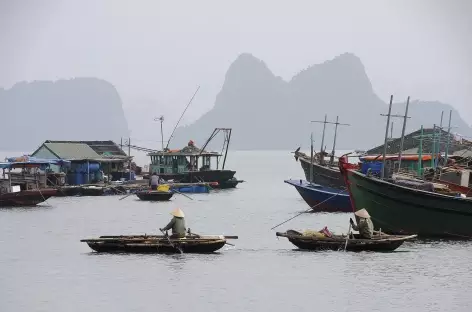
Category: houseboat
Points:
column 192, row 164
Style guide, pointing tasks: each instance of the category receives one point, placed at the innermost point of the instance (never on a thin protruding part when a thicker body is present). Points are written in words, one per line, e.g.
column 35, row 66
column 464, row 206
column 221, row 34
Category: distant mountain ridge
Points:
column 75, row 109
column 267, row 112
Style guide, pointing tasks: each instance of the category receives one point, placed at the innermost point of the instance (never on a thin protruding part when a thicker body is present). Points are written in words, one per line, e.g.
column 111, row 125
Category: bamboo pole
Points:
column 403, row 134
column 382, row 173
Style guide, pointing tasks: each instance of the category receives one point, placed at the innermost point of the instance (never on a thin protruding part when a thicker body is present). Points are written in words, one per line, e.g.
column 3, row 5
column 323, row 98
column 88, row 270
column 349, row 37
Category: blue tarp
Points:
column 29, row 162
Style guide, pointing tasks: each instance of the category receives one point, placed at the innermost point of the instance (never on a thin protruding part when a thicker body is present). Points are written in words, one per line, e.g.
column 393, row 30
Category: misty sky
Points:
column 157, row 52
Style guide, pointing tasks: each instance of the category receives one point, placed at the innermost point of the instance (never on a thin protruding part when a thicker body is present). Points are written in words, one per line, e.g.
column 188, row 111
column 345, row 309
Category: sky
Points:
column 156, row 52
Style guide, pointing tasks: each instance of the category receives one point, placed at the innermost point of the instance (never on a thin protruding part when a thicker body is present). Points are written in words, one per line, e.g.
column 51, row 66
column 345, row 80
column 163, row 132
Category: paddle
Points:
column 347, row 237
column 126, row 196
column 183, row 194
column 168, row 239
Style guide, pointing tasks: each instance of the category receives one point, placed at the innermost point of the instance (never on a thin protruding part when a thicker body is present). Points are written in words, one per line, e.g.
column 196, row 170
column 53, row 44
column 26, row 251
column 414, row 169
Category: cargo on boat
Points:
column 158, row 243
column 379, row 242
column 322, row 198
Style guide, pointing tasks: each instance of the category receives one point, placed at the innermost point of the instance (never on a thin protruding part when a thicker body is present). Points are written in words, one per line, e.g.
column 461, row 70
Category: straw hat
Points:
column 177, row 212
column 362, row 214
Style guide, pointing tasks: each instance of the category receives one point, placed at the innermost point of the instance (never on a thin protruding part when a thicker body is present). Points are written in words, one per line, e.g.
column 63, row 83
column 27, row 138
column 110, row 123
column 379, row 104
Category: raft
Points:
column 379, row 242
column 158, row 243
column 154, row 195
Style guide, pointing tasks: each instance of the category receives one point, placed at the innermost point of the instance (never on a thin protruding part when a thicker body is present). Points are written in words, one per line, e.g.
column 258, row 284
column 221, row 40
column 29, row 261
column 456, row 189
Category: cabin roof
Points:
column 189, row 150
column 412, row 142
column 101, row 151
column 105, row 148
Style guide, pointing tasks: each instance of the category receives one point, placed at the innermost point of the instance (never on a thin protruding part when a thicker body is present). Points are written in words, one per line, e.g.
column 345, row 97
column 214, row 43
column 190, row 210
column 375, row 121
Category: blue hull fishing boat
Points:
column 322, row 198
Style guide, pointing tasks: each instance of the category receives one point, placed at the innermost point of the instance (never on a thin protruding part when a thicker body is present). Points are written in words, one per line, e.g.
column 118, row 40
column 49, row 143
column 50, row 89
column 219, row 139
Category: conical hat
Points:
column 177, row 212
column 362, row 214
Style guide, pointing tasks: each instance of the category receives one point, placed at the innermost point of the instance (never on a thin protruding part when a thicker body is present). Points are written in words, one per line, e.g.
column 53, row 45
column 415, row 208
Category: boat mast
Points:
column 177, row 124
column 382, row 173
column 311, row 158
column 227, row 139
column 448, row 137
column 403, row 135
column 322, row 142
column 433, row 147
column 335, row 135
column 439, row 139
column 420, row 154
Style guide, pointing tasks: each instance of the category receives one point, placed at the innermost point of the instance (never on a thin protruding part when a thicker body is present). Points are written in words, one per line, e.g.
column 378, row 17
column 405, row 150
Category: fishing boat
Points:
column 322, row 198
column 26, row 198
column 22, row 183
column 154, row 195
column 379, row 242
column 158, row 243
column 408, row 207
column 192, row 164
column 326, row 174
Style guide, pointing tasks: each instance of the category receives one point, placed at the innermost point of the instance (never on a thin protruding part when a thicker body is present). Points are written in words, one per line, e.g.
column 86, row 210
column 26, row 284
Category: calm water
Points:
column 44, row 267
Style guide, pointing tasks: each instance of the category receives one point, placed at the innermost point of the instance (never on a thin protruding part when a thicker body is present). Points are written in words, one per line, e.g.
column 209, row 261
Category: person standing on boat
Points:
column 364, row 224
column 177, row 224
column 154, row 181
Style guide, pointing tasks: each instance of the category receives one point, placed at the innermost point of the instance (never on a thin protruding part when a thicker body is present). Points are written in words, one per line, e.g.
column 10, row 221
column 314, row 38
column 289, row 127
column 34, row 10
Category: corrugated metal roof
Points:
column 100, row 147
column 72, row 150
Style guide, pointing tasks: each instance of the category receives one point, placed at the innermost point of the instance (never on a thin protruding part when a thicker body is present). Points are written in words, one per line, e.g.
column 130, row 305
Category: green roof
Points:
column 72, row 150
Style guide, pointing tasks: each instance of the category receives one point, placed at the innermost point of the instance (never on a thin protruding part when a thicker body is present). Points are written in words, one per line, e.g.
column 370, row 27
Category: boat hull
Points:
column 321, row 198
column 380, row 244
column 26, row 198
column 156, row 245
column 323, row 175
column 200, row 176
column 154, row 195
column 402, row 210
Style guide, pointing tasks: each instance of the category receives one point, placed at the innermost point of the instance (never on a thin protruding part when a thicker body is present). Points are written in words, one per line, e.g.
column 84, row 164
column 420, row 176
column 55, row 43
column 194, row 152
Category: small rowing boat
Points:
column 154, row 195
column 158, row 243
column 379, row 242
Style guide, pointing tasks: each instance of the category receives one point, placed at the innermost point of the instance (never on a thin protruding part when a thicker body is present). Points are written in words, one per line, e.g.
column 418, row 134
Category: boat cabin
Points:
column 189, row 158
column 25, row 173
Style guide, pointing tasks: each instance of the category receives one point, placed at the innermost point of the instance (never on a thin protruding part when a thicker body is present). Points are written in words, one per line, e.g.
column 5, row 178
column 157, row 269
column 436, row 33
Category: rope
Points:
column 309, row 209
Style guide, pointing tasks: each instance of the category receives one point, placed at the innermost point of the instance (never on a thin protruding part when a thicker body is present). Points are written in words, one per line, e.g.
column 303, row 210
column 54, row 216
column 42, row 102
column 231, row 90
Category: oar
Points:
column 225, row 237
column 183, row 194
column 126, row 196
column 347, row 238
column 168, row 239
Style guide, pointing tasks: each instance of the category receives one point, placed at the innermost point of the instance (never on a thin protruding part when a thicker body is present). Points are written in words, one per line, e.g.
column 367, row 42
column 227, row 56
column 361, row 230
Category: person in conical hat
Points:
column 177, row 224
column 364, row 224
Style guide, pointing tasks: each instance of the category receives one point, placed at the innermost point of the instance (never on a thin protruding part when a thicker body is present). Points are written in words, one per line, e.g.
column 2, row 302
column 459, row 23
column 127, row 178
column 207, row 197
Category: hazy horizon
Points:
column 156, row 53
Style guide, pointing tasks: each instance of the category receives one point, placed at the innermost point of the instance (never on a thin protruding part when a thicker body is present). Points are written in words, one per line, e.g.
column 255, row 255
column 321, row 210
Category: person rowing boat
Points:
column 364, row 224
column 177, row 224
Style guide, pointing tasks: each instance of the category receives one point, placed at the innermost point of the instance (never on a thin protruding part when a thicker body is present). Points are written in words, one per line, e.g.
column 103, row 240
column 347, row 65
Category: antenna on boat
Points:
column 335, row 135
column 177, row 124
column 161, row 119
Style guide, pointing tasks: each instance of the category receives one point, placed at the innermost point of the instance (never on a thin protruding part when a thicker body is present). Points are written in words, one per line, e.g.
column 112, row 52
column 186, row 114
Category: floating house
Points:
column 90, row 161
